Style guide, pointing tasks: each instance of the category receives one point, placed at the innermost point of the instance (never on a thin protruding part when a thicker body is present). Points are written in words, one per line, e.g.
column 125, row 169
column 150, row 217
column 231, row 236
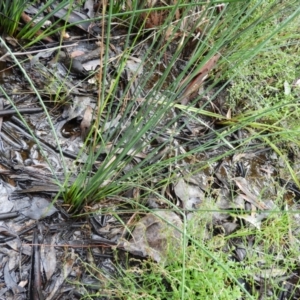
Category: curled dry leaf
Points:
column 153, row 236
column 189, row 194
column 248, row 195
column 48, row 256
column 39, row 208
column 64, row 273
column 86, row 122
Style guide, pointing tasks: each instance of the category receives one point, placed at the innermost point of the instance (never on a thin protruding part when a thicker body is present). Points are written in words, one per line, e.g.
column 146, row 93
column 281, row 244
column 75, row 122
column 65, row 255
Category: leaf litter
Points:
column 44, row 251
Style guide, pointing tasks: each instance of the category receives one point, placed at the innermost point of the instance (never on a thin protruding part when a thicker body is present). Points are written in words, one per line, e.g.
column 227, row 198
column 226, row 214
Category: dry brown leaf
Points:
column 198, row 80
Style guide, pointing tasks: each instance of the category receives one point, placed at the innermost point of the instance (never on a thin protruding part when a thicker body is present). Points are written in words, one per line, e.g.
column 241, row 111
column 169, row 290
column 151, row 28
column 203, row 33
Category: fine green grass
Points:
column 10, row 14
column 41, row 25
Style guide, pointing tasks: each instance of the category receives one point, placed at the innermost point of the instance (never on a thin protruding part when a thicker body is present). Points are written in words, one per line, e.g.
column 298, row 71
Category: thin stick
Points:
column 35, row 51
column 8, row 112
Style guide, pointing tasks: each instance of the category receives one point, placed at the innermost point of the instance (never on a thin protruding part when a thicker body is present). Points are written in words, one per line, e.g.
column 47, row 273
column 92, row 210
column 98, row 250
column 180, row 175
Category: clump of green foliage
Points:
column 266, row 81
column 34, row 30
column 268, row 78
column 10, row 14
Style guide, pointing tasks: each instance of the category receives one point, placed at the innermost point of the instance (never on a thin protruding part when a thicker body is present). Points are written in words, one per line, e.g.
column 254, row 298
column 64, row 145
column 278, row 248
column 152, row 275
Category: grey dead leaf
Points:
column 256, row 218
column 18, row 246
column 86, row 122
column 89, row 6
column 248, row 195
column 72, row 17
column 134, row 65
column 12, row 258
column 39, row 208
column 31, row 10
column 238, row 202
column 201, row 179
column 48, row 256
column 44, row 54
column 5, row 230
column 64, row 273
column 91, row 65
column 77, row 109
column 229, row 227
column 154, row 237
column 239, row 156
column 113, row 123
column 10, row 283
column 190, row 195
column 5, row 204
column 240, row 252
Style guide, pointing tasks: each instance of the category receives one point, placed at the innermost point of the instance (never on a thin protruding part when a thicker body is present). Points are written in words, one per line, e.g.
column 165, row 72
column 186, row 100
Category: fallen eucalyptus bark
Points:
column 9, row 112
column 9, row 215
